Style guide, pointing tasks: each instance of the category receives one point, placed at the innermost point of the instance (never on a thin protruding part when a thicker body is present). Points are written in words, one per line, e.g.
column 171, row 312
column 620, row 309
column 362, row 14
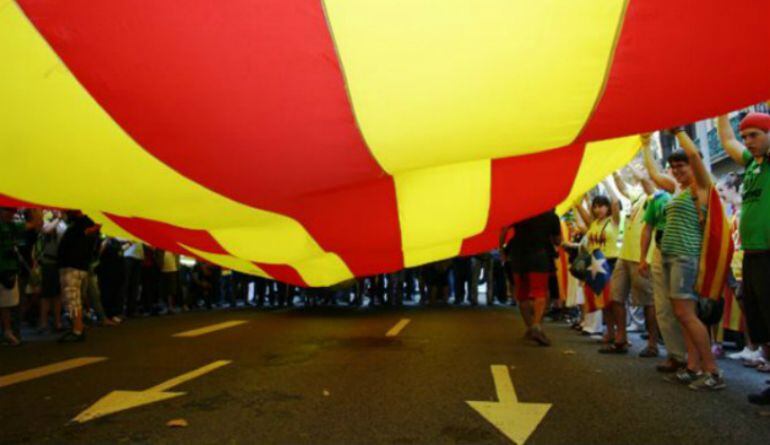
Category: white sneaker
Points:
column 739, row 355
column 745, row 354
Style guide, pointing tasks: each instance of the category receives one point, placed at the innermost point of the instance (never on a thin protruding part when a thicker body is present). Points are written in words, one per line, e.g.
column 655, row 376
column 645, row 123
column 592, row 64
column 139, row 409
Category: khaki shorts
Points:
column 9, row 297
column 626, row 282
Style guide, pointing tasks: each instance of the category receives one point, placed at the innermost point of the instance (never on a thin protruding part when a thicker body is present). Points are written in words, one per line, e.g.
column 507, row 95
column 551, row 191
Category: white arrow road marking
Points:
column 42, row 371
column 208, row 329
column 514, row 419
column 123, row 400
column 395, row 330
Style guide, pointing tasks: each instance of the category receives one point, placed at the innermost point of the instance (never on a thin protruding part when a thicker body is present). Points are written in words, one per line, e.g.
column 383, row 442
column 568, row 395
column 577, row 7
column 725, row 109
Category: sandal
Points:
column 649, row 352
column 754, row 363
column 614, row 348
column 11, row 340
column 764, row 368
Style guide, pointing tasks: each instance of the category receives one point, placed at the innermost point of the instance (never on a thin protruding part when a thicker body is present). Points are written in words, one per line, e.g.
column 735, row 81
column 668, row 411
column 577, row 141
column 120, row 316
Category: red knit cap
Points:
column 756, row 120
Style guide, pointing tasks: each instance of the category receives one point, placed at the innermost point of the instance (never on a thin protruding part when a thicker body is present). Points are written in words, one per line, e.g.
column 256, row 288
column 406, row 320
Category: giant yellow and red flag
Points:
column 316, row 140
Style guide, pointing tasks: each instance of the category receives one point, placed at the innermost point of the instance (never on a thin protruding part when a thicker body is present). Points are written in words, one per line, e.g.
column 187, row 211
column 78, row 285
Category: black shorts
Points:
column 169, row 283
column 538, row 261
column 756, row 295
column 50, row 286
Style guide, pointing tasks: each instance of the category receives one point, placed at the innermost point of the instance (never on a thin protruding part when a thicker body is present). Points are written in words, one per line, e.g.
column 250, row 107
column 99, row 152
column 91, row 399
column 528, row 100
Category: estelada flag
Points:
column 716, row 250
column 562, row 264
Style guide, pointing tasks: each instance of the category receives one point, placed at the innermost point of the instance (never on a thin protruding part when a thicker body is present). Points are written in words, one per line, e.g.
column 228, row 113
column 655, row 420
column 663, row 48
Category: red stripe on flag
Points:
column 717, row 250
column 167, row 236
column 676, row 62
column 8, row 201
column 283, row 273
column 525, row 186
column 246, row 98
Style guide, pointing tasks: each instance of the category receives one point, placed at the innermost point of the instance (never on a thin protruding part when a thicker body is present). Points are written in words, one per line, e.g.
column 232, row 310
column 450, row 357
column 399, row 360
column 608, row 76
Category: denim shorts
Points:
column 679, row 275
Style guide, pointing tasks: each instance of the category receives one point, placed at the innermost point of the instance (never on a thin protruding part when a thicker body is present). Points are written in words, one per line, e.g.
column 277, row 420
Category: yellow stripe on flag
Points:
column 457, row 80
column 439, row 207
column 599, row 160
column 52, row 127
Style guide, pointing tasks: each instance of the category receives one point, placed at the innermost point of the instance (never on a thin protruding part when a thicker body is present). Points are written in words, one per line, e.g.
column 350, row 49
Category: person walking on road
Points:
column 531, row 254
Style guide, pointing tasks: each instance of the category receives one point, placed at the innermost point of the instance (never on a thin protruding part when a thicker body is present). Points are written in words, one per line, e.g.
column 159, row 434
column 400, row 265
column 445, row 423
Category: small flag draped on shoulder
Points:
column 716, row 250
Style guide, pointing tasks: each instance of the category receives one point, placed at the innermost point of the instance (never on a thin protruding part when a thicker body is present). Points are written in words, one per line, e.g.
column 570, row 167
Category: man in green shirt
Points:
column 754, row 224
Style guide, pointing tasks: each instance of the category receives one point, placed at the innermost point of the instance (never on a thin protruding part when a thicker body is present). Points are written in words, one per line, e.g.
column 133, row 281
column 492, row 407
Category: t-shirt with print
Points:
column 632, row 235
column 755, row 210
column 603, row 235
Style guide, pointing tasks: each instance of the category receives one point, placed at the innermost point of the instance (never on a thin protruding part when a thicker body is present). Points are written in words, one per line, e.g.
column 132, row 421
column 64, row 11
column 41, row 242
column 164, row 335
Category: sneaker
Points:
column 72, row 337
column 745, row 354
column 717, row 350
column 683, row 376
column 762, row 398
column 709, row 381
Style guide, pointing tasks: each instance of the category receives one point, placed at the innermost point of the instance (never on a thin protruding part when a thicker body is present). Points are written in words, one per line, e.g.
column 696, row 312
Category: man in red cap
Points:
column 754, row 225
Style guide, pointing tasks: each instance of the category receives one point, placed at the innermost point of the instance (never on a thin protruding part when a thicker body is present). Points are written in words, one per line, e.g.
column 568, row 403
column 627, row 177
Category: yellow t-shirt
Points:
column 603, row 235
column 632, row 236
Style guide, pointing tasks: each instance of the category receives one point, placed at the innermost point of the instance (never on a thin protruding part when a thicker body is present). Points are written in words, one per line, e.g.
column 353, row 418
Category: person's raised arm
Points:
column 647, row 185
column 585, row 215
column 620, row 184
column 501, row 242
column 660, row 179
column 701, row 173
column 733, row 147
column 614, row 202
column 50, row 226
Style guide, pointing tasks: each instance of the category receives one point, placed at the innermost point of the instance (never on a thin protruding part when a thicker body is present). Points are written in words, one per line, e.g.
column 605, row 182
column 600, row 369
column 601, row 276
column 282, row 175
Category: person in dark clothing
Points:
column 531, row 253
column 76, row 251
column 150, row 281
column 11, row 237
column 110, row 274
column 204, row 282
column 462, row 270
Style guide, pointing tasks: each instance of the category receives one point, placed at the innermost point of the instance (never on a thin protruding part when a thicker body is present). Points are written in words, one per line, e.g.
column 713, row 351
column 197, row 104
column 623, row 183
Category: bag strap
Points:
column 609, row 220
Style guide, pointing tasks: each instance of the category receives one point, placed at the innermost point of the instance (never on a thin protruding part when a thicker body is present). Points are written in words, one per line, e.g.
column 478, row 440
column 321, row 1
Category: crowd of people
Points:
column 60, row 273
column 663, row 256
column 636, row 241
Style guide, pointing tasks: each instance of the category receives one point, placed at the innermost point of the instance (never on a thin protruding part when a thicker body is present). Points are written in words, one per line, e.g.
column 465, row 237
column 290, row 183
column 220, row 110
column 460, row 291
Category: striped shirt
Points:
column 683, row 234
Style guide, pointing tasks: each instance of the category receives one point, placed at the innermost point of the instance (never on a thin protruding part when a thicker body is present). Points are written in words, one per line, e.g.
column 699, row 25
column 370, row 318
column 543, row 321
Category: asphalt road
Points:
column 329, row 376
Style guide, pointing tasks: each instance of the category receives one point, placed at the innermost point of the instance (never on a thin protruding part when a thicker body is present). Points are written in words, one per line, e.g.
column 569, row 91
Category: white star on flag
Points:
column 597, row 266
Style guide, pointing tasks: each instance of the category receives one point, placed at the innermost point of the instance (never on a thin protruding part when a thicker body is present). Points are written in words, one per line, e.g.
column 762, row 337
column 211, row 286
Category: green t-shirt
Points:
column 755, row 210
column 683, row 234
column 655, row 214
column 10, row 237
